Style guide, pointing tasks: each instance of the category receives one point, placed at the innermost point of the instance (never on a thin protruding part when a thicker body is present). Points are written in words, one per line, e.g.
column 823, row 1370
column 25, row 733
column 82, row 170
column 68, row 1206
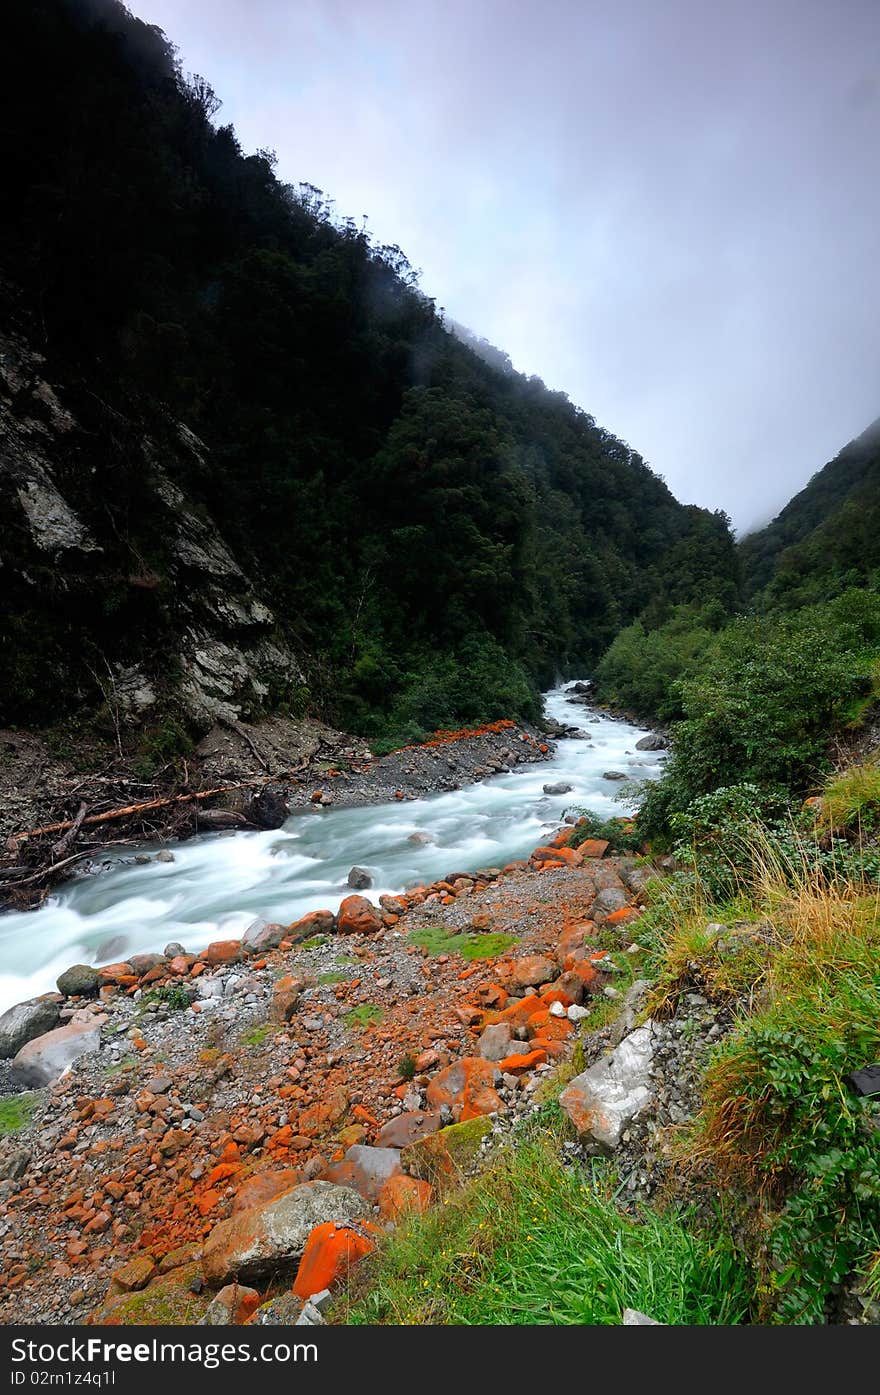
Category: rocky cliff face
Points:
column 115, row 583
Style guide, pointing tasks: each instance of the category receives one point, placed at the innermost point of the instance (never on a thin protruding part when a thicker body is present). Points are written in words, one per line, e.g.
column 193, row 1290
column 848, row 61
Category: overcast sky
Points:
column 669, row 209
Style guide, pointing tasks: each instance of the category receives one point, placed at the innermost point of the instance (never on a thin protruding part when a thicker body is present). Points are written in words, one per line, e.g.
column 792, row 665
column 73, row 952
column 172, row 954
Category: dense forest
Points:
column 759, row 699
column 437, row 535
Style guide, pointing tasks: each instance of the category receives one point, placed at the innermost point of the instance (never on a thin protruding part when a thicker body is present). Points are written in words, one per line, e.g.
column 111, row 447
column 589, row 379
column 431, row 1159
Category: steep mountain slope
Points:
column 827, row 537
column 430, row 534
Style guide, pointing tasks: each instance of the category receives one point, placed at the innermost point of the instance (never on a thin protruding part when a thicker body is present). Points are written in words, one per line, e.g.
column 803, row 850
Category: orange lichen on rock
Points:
column 330, row 1251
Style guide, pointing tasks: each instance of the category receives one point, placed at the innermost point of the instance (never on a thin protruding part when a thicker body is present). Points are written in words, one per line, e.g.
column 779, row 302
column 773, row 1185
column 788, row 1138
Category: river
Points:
column 218, row 883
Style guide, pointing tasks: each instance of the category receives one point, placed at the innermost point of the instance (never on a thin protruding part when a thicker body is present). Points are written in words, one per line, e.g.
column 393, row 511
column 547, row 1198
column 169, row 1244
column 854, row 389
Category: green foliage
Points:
column 621, row 834
column 780, row 1114
column 642, row 669
column 255, row 1036
column 406, row 1067
column 439, row 534
column 16, row 1112
column 535, row 1242
column 826, row 539
column 769, row 695
column 170, row 995
column 366, row 1015
column 160, row 743
column 436, row 939
column 851, row 800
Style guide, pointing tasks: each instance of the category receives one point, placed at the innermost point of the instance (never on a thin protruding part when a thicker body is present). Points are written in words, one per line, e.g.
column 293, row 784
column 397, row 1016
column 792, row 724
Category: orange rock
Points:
column 207, row 1201
column 358, row 916
column 514, row 1065
column 264, row 1187
column 594, row 847
column 221, row 1172
column 583, row 970
column 330, row 1251
column 364, row 1116
column 401, row 1195
column 556, row 995
column 534, row 969
column 516, row 1014
column 572, row 856
column 321, row 1117
column 544, row 1025
column 625, row 913
column 240, row 1302
column 315, row 923
column 491, row 995
column 223, row 952
column 467, row 1086
column 117, row 973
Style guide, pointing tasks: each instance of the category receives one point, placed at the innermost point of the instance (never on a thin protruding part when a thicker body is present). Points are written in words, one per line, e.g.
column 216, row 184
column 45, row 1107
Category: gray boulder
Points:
column 15, row 1164
column 560, row 788
column 366, row 1168
column 265, row 1238
column 604, row 1099
column 142, row 963
column 359, row 878
column 262, row 935
column 24, row 1022
column 614, row 775
column 609, row 900
column 494, row 1044
column 80, row 980
column 652, row 743
column 47, row 1057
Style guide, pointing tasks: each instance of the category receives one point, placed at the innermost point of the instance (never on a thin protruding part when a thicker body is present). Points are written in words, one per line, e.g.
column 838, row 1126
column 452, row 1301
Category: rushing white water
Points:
column 218, row 883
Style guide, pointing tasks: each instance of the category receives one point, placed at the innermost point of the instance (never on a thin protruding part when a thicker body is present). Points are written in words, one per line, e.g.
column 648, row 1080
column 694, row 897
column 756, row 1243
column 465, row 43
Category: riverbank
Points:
column 58, row 819
column 340, row 1051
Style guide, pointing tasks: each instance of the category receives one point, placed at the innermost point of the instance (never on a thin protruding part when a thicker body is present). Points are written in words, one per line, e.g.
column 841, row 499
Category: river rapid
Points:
column 218, row 883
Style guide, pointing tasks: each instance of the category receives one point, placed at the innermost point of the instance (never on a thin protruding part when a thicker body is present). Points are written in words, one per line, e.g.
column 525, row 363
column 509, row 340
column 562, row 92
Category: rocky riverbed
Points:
column 239, row 1121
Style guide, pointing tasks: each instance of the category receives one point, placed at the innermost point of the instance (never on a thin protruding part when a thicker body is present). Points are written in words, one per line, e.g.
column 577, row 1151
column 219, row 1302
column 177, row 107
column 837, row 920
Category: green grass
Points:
column 255, row 1036
column 315, row 942
column 332, row 977
column 535, row 1243
column 367, row 1015
column 172, row 995
column 779, row 1118
column 436, row 939
column 16, row 1112
column 852, row 800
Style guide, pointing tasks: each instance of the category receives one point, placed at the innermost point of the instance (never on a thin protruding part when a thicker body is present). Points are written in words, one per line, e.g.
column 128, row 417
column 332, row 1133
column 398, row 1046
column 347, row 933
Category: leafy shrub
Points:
column 621, row 834
column 780, row 1117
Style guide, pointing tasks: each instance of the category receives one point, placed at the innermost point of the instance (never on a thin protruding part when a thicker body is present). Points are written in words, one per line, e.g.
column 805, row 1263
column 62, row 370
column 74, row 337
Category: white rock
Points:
column 557, row 1010
column 576, row 1013
column 47, row 1057
column 604, row 1099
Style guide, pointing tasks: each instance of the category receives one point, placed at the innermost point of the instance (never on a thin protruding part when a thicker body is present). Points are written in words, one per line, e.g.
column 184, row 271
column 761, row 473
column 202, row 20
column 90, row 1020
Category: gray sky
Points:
column 669, row 209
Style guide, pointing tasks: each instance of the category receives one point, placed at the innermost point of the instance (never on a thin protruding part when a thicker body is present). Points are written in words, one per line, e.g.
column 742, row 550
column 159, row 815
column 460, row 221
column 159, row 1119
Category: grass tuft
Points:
column 534, row 1242
column 436, row 939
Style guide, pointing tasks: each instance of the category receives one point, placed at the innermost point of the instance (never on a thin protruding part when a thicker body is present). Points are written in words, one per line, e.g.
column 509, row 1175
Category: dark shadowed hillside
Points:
column 827, row 537
column 382, row 525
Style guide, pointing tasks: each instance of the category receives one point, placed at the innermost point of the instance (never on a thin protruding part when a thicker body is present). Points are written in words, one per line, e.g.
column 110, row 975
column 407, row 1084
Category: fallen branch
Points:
column 129, row 809
column 64, row 842
column 166, row 802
